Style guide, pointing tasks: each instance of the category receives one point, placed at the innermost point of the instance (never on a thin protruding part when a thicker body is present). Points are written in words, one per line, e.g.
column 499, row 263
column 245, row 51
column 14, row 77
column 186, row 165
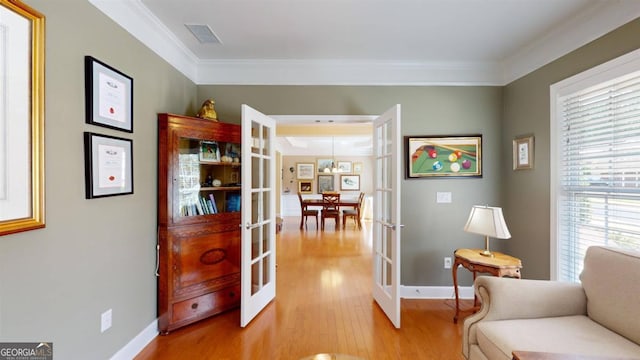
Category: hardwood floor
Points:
column 323, row 305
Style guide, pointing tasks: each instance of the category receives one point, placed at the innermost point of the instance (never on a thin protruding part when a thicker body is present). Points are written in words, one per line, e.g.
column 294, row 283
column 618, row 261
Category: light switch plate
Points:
column 443, row 197
column 105, row 320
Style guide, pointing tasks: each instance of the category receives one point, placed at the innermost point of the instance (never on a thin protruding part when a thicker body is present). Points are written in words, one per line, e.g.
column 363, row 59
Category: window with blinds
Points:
column 597, row 168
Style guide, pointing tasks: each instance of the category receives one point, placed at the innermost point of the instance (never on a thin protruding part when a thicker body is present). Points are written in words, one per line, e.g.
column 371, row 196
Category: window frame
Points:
column 608, row 71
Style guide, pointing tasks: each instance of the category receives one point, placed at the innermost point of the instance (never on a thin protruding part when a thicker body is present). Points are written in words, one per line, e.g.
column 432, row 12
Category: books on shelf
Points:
column 212, row 202
column 199, row 208
column 205, row 205
column 233, row 202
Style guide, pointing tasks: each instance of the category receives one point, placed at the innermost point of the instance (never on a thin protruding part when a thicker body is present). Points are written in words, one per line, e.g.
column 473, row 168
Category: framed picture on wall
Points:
column 22, row 182
column 305, row 186
column 305, row 171
column 108, row 96
column 523, row 152
column 349, row 182
column 325, row 183
column 344, row 166
column 324, row 164
column 443, row 156
column 357, row 167
column 108, row 165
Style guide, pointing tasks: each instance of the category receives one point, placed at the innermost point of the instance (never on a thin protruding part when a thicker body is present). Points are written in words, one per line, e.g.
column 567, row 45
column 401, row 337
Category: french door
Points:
column 386, row 213
column 258, row 246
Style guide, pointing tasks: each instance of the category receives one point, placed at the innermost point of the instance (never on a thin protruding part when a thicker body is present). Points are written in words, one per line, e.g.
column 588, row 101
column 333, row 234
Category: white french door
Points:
column 386, row 213
column 258, row 246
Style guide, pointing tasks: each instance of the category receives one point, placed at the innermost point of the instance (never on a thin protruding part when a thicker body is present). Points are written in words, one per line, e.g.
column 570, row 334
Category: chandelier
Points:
column 334, row 169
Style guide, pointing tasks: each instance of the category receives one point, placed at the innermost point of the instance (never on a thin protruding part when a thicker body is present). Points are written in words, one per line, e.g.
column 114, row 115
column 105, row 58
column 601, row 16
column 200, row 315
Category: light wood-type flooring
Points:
column 323, row 304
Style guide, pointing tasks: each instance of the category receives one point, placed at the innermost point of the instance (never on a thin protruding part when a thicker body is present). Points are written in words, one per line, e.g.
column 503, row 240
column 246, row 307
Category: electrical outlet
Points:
column 447, row 263
column 105, row 320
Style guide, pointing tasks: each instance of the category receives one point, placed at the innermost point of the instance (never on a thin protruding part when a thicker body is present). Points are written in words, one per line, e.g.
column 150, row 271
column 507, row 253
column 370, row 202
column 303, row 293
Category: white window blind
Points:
column 598, row 170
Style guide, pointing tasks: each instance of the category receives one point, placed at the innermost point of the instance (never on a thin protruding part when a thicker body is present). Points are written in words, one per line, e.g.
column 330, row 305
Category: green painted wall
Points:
column 93, row 254
column 527, row 111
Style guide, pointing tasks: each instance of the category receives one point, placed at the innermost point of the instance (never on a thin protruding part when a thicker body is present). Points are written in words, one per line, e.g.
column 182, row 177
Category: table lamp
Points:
column 487, row 221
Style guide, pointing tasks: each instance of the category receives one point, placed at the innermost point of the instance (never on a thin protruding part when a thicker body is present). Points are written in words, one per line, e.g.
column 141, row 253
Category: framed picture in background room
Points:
column 305, row 171
column 349, row 182
column 324, row 164
column 344, row 166
column 305, row 186
column 325, row 183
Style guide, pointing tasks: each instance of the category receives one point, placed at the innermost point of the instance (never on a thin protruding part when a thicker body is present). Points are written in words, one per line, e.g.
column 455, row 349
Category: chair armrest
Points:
column 506, row 298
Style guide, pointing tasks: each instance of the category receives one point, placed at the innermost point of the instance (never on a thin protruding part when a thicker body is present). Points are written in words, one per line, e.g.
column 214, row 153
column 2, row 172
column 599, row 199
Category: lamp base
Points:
column 486, row 253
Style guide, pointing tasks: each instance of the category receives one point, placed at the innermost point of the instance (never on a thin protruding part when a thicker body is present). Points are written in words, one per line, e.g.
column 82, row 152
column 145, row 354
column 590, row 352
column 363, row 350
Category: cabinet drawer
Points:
column 207, row 304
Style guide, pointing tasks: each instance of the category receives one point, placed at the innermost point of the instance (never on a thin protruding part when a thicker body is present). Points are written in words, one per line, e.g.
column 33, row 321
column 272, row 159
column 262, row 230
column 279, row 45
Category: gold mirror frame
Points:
column 34, row 142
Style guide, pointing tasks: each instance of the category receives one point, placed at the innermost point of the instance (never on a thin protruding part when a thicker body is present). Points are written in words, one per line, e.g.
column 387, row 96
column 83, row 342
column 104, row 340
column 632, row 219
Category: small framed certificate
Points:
column 108, row 96
column 108, row 162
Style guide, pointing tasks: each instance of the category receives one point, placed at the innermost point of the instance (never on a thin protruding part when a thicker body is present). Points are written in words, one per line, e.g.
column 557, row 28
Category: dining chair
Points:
column 354, row 213
column 306, row 212
column 330, row 208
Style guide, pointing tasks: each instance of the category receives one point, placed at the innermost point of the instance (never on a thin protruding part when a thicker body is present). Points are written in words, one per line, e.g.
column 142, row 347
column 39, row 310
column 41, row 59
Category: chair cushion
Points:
column 564, row 334
column 611, row 282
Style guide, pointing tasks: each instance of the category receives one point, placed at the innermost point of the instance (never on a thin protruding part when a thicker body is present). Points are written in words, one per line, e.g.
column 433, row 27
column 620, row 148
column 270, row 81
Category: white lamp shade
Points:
column 488, row 221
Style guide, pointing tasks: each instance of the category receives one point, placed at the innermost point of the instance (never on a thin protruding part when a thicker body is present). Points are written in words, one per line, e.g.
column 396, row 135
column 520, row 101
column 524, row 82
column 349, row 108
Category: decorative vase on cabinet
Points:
column 198, row 219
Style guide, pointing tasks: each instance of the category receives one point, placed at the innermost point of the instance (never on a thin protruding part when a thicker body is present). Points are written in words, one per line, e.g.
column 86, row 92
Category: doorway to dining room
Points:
column 307, row 142
column 386, row 184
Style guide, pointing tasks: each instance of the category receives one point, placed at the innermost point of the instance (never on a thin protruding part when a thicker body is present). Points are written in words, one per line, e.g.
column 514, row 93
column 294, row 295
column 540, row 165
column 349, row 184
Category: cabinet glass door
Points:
column 208, row 177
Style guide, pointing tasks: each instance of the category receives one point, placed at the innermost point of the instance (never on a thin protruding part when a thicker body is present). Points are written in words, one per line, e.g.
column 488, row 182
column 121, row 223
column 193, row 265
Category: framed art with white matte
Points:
column 523, row 152
column 108, row 165
column 108, row 96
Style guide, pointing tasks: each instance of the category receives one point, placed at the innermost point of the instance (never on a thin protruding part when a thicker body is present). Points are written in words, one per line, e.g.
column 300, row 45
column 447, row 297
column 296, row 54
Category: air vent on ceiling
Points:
column 203, row 33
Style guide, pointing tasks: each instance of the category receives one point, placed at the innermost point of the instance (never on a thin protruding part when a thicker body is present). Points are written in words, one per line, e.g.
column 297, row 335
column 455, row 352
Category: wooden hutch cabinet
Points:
column 198, row 219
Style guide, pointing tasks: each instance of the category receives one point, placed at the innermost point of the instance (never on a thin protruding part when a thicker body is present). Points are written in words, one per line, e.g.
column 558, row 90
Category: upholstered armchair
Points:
column 597, row 317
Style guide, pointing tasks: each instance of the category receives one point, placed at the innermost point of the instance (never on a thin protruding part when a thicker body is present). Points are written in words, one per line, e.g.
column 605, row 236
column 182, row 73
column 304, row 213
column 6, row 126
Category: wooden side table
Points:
column 499, row 265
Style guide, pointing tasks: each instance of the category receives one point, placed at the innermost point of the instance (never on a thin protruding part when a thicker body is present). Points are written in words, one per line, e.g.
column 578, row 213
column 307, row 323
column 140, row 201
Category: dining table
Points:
column 351, row 202
column 346, row 202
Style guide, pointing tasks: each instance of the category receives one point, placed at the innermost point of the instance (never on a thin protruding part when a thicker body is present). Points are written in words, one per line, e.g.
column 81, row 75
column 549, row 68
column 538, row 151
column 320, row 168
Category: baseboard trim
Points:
column 138, row 343
column 435, row 292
